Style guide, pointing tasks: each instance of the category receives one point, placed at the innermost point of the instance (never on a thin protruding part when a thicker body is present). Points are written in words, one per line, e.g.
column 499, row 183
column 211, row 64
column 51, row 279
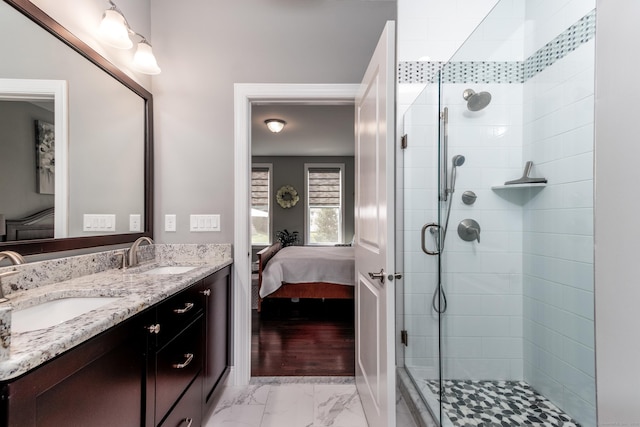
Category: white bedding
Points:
column 308, row 264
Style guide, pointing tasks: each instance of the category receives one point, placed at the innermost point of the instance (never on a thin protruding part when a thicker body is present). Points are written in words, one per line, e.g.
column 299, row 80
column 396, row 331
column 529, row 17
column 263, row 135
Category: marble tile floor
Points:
column 295, row 402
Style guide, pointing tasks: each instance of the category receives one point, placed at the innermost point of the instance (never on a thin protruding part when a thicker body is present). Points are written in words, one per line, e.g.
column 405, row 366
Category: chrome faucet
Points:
column 133, row 250
column 16, row 259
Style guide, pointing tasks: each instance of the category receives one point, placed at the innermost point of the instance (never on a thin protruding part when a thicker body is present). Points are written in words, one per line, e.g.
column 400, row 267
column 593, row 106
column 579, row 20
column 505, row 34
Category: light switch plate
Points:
column 201, row 223
column 99, row 222
column 134, row 222
column 170, row 222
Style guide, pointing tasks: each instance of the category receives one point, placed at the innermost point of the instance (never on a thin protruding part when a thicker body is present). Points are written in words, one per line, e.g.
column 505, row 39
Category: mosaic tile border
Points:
column 568, row 41
column 502, row 72
column 498, row 403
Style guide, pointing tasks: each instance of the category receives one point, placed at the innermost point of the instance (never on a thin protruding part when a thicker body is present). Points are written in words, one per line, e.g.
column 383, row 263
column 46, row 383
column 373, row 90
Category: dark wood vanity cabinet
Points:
column 191, row 351
column 96, row 384
column 175, row 360
column 159, row 368
column 216, row 289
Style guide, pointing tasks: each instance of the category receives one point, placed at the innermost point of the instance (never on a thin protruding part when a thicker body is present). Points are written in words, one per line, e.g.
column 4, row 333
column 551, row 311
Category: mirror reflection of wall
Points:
column 19, row 190
column 106, row 130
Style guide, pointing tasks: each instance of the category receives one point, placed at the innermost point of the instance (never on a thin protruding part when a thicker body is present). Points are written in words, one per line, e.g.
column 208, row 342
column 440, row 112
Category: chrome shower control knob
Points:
column 469, row 230
column 469, row 197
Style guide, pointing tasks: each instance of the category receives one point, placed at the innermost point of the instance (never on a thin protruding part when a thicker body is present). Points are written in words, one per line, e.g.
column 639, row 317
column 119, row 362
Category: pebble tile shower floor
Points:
column 498, row 403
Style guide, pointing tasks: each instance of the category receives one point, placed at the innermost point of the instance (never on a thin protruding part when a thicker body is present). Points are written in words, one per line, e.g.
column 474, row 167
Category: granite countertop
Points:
column 136, row 292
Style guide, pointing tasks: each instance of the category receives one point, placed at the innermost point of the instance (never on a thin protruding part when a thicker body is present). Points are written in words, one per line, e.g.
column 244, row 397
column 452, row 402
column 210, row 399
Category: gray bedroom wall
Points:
column 204, row 48
column 18, row 170
column 289, row 170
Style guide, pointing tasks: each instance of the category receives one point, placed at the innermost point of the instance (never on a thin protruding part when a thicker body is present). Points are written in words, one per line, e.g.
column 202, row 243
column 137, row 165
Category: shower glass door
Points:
column 501, row 158
column 421, row 271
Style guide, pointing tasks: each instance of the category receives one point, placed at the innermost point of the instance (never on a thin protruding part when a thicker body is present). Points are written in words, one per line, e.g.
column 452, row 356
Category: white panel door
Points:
column 374, row 244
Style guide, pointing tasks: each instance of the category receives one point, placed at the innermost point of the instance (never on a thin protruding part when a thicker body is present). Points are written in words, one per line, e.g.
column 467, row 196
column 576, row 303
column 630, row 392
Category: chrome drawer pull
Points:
column 154, row 329
column 206, row 292
column 188, row 306
column 189, row 421
column 188, row 359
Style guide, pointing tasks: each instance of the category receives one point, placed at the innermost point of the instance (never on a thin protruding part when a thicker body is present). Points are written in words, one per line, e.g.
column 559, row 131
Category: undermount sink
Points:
column 54, row 312
column 171, row 269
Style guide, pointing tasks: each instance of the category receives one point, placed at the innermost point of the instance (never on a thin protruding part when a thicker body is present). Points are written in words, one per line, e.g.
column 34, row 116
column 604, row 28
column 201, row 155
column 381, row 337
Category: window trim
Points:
column 307, row 231
column 268, row 166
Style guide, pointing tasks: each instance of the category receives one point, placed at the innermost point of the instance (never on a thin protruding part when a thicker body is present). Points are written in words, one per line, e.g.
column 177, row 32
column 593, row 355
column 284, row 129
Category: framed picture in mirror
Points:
column 45, row 157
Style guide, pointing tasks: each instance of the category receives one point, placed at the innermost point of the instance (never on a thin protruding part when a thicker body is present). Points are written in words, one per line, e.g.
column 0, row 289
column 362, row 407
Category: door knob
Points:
column 379, row 276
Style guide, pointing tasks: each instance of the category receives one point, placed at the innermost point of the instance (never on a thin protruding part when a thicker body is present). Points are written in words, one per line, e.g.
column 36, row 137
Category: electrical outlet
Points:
column 134, row 222
column 170, row 222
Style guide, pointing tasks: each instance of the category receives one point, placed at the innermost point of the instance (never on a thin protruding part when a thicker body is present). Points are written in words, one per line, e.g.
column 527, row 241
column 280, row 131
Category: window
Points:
column 324, row 216
column 260, row 204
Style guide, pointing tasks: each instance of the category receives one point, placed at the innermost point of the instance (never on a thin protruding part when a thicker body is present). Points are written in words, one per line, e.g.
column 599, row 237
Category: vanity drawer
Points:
column 177, row 312
column 188, row 411
column 177, row 364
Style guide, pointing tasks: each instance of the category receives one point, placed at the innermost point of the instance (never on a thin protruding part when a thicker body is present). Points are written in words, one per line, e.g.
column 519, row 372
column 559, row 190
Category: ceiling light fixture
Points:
column 275, row 125
column 116, row 32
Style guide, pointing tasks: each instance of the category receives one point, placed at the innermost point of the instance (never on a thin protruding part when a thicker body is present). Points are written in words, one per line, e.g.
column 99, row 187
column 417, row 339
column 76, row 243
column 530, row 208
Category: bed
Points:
column 306, row 272
column 37, row 226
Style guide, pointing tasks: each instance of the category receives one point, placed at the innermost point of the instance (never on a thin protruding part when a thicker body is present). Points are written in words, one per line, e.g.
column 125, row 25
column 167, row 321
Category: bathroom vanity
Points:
column 163, row 348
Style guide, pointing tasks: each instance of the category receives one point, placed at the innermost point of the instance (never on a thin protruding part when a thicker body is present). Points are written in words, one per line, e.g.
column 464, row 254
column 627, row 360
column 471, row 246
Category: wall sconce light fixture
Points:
column 116, row 32
column 275, row 125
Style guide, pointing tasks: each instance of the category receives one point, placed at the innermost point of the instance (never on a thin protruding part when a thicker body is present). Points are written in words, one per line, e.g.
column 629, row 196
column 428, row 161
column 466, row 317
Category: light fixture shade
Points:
column 275, row 125
column 114, row 31
column 143, row 59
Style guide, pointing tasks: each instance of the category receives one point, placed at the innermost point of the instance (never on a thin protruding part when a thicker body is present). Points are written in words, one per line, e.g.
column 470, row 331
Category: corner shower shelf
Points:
column 504, row 187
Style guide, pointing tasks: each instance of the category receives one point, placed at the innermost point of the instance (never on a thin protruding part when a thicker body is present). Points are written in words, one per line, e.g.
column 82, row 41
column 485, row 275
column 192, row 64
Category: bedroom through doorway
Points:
column 302, row 196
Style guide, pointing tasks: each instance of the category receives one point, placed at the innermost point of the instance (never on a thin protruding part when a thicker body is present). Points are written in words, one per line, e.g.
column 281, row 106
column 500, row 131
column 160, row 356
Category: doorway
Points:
column 247, row 95
column 311, row 156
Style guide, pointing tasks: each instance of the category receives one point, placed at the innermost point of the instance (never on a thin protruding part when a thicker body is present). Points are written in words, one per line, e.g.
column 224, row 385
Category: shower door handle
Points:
column 423, row 238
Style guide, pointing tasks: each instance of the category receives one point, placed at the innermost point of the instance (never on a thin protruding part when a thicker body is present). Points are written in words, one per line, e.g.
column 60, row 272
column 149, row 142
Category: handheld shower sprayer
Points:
column 439, row 299
column 457, row 160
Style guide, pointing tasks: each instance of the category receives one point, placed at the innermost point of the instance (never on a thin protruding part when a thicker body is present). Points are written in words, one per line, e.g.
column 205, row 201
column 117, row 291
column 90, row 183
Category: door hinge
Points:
column 404, row 338
column 404, row 141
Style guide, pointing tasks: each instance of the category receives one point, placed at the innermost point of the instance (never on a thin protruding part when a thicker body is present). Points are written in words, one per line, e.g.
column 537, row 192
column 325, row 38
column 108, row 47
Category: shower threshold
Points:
column 495, row 403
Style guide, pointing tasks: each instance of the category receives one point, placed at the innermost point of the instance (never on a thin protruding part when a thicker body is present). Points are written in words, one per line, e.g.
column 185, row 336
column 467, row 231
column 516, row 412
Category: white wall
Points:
column 436, row 28
column 616, row 213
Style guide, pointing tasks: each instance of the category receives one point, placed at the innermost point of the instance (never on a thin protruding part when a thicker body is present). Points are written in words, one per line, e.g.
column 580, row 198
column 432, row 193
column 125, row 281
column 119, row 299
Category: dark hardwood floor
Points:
column 308, row 338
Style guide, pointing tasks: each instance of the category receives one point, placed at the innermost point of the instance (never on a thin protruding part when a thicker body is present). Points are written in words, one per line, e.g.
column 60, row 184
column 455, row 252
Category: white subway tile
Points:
column 579, row 356
column 503, row 348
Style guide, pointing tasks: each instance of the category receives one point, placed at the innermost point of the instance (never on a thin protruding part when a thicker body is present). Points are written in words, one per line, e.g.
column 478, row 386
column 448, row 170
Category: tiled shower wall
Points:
column 558, row 221
column 521, row 301
column 482, row 327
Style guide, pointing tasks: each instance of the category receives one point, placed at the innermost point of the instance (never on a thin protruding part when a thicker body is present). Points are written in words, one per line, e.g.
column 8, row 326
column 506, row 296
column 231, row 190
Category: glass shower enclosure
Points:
column 498, row 223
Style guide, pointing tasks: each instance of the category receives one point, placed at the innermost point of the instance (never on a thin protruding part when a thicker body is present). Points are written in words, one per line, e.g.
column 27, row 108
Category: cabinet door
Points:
column 217, row 328
column 97, row 384
column 188, row 410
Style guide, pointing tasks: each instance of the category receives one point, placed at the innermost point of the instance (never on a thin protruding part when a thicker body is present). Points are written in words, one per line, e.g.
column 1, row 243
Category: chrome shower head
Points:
column 476, row 101
column 457, row 160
